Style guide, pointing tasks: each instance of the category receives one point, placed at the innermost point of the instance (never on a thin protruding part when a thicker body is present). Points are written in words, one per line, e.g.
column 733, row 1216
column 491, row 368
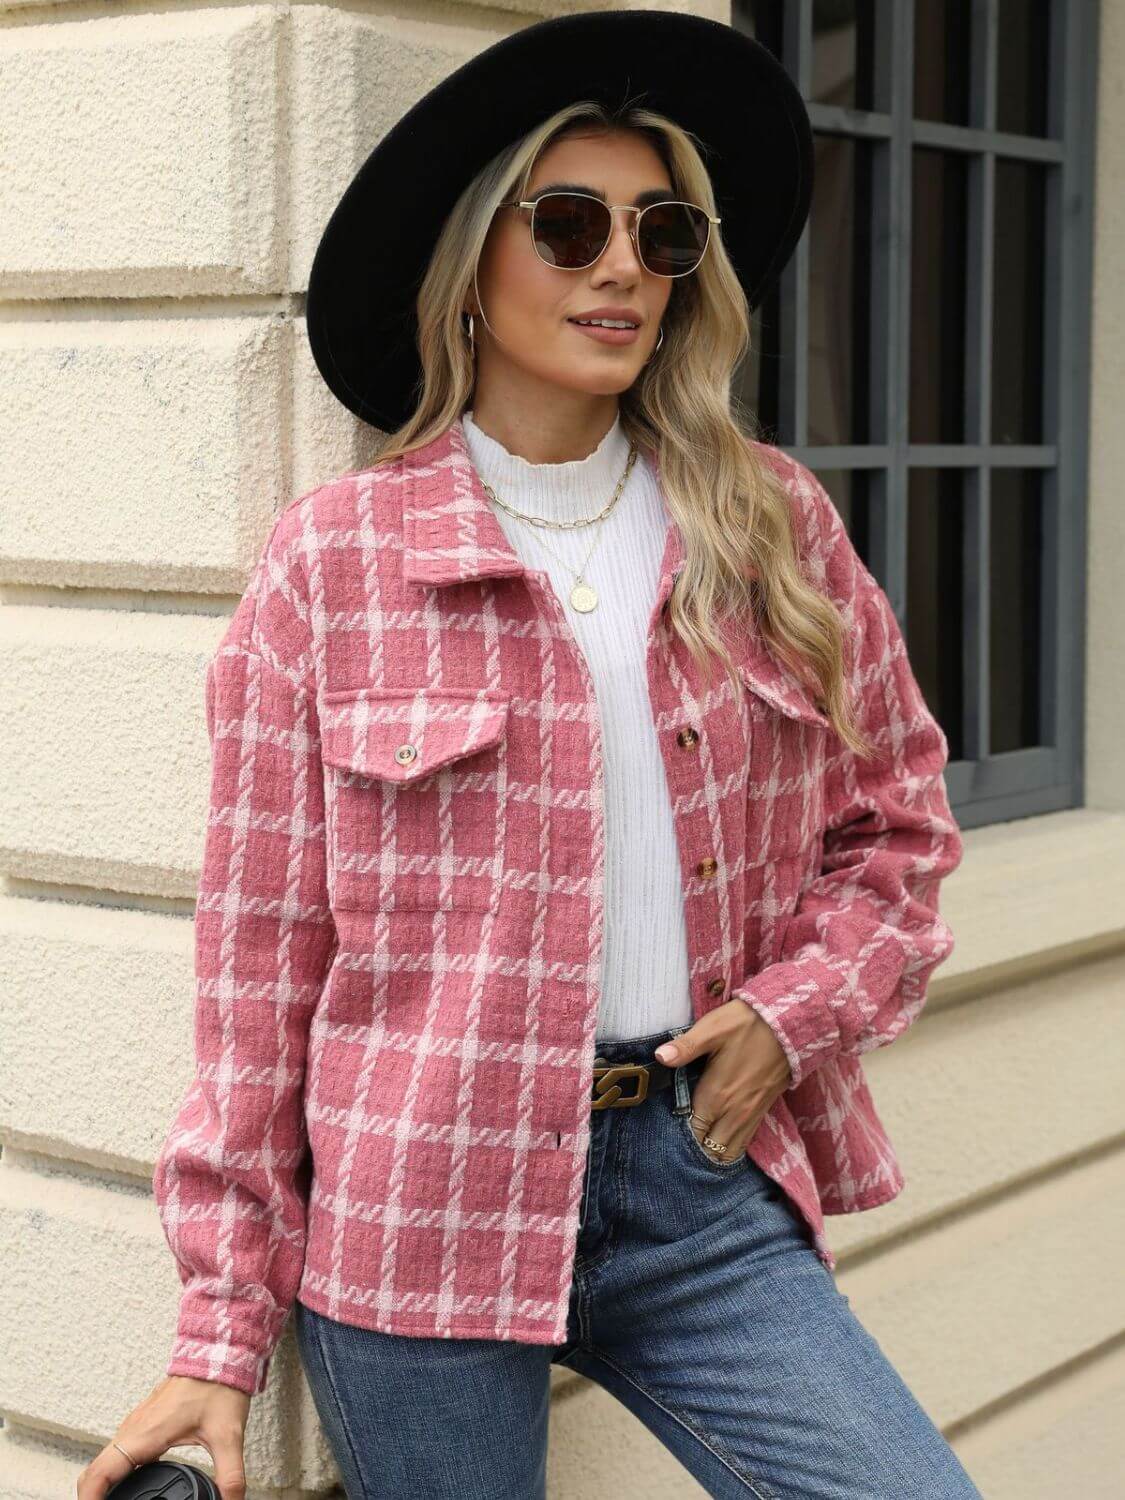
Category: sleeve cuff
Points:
column 228, row 1364
column 213, row 1343
column 791, row 999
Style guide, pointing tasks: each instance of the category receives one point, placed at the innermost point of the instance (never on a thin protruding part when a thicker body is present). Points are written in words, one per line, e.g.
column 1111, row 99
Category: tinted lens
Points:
column 672, row 237
column 570, row 231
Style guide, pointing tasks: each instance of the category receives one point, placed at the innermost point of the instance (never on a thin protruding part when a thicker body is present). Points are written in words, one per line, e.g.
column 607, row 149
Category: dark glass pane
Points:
column 757, row 380
column 937, row 297
column 941, row 60
column 761, row 19
column 1021, row 66
column 1015, row 558
column 839, row 292
column 843, row 52
column 850, row 490
column 934, row 604
column 1017, row 303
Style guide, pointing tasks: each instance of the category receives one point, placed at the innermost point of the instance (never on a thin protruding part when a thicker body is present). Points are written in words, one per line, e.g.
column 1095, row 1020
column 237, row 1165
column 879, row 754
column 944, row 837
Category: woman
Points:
column 558, row 948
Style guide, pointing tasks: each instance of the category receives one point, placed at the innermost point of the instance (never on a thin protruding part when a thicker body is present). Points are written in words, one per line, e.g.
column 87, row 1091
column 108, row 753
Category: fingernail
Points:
column 666, row 1052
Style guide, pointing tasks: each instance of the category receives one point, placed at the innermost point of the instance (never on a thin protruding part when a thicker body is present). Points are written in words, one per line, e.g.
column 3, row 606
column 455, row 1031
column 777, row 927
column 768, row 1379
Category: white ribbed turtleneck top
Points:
column 645, row 982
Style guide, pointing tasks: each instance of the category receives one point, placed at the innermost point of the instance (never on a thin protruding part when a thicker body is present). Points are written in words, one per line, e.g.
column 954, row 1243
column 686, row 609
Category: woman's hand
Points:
column 179, row 1410
column 746, row 1073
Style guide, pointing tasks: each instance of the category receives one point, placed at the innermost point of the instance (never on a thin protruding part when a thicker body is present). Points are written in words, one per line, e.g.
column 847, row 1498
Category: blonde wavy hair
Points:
column 741, row 553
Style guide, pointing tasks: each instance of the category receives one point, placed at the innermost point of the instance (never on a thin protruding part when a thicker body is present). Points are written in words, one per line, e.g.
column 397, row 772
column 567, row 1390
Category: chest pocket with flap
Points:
column 414, row 795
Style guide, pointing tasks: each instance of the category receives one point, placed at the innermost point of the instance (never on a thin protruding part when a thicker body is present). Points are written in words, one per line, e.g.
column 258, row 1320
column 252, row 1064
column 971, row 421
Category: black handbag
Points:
column 165, row 1479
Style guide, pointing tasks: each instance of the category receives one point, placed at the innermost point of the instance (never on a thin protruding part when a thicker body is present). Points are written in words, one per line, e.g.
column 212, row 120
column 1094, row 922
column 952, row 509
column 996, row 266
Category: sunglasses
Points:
column 570, row 230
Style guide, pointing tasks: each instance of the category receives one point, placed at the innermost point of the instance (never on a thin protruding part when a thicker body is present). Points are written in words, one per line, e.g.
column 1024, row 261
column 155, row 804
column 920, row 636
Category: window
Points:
column 926, row 352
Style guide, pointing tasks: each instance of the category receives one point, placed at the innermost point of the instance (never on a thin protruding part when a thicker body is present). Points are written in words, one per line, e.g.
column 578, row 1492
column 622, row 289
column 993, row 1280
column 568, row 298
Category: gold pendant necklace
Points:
column 583, row 596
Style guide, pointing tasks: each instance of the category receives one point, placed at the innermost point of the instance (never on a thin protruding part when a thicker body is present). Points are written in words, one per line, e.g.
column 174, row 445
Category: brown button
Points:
column 688, row 737
column 716, row 987
column 707, row 867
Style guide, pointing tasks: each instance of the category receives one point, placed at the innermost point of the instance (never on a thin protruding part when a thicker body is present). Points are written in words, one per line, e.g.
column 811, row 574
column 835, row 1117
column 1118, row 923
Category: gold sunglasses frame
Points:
column 632, row 208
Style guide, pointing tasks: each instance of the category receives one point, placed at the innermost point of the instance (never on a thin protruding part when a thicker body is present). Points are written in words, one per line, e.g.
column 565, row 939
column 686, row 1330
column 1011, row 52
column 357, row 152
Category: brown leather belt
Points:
column 616, row 1085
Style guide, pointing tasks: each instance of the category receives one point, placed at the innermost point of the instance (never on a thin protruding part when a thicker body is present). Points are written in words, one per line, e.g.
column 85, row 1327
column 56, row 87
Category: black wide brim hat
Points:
column 723, row 86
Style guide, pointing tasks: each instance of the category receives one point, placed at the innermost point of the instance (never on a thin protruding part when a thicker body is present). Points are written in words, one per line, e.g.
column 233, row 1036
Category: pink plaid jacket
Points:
column 400, row 915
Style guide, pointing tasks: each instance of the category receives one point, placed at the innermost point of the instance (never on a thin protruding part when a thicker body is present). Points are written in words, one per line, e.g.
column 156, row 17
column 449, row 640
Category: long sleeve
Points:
column 229, row 1181
column 858, row 951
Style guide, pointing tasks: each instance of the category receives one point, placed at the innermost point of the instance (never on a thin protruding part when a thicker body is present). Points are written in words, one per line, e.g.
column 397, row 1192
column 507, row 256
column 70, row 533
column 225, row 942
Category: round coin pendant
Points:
column 583, row 597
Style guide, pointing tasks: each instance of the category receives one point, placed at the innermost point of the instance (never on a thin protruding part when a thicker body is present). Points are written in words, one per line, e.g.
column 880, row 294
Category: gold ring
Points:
column 715, row 1145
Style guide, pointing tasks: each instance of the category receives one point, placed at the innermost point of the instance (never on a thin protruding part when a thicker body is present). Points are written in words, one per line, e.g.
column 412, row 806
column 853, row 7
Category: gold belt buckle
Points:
column 607, row 1086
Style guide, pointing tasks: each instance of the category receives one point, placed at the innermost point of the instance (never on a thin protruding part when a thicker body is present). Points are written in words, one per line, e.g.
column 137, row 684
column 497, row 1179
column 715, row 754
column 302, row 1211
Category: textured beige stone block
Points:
column 95, row 1030
column 990, row 1300
column 159, row 173
column 1033, row 892
column 141, row 454
column 104, row 720
column 1063, row 1437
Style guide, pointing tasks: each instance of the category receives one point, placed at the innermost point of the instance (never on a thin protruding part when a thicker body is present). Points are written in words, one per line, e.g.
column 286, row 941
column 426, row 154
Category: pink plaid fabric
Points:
column 400, row 915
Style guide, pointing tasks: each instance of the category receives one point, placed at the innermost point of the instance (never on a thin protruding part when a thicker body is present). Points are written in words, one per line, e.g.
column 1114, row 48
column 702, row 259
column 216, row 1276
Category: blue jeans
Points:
column 697, row 1301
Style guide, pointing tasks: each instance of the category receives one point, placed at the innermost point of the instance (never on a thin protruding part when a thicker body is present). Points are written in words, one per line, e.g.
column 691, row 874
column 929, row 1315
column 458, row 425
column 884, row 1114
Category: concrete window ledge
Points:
column 1031, row 895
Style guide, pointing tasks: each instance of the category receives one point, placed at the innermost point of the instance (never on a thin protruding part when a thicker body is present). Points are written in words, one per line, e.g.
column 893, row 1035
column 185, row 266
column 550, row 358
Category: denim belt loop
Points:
column 682, row 1105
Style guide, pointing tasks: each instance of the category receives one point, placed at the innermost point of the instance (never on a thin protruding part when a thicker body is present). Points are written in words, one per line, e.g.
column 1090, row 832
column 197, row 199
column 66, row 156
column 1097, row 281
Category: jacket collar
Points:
column 450, row 531
column 451, row 535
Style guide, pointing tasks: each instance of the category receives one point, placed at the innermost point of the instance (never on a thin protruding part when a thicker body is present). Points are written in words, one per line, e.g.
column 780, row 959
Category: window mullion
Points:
column 980, row 249
column 889, row 518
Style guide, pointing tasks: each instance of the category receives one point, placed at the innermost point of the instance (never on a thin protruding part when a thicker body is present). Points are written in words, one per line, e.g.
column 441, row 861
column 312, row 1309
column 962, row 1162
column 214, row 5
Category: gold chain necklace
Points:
column 583, row 596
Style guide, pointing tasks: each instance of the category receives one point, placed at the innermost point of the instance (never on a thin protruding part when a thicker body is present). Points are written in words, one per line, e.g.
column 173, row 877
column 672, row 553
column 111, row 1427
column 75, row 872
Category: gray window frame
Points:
column 983, row 788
